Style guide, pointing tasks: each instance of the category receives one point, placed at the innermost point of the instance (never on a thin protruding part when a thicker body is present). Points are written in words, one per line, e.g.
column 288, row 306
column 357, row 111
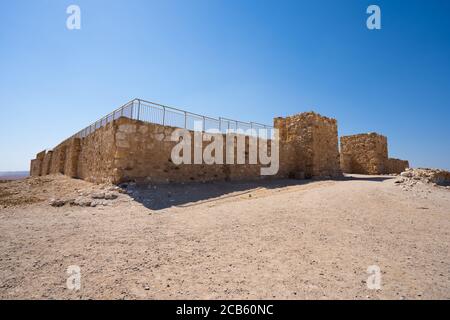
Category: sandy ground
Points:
column 282, row 239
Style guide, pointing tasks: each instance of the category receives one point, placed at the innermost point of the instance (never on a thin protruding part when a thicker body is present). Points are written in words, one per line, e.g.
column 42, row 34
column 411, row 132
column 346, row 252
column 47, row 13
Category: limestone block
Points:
column 127, row 128
column 121, row 136
column 123, row 143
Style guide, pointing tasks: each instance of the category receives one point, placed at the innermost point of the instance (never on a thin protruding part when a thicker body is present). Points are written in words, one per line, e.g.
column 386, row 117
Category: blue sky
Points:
column 246, row 60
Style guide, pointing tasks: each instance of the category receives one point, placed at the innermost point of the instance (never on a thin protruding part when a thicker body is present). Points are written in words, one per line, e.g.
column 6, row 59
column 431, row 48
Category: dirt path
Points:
column 278, row 239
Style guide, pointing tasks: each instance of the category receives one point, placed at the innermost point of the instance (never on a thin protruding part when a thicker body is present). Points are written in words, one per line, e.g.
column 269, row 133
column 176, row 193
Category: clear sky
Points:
column 246, row 60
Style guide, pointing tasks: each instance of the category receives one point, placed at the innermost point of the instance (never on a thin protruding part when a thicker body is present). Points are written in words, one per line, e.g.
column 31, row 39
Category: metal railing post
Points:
column 132, row 109
column 204, row 125
column 220, row 124
column 139, row 109
column 185, row 120
column 164, row 116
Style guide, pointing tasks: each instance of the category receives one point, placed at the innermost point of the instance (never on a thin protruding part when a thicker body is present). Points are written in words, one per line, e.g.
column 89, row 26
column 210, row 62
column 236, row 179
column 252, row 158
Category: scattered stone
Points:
column 434, row 177
column 406, row 174
column 82, row 202
column 57, row 202
column 110, row 196
column 98, row 195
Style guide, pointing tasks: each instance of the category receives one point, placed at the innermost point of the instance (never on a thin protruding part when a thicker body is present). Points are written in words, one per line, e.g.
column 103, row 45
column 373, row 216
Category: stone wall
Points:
column 396, row 165
column 308, row 146
column 364, row 153
column 127, row 149
column 96, row 155
column 143, row 153
column 367, row 153
column 36, row 164
column 58, row 159
column 72, row 156
column 46, row 163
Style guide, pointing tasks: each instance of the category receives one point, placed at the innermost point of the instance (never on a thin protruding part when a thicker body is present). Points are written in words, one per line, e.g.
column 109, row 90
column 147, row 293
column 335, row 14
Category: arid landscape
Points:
column 276, row 239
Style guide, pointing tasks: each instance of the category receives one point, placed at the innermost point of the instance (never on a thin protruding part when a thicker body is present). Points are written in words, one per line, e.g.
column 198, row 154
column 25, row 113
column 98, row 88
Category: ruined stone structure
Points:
column 121, row 147
column 396, row 165
column 128, row 149
column 367, row 153
column 308, row 146
column 131, row 150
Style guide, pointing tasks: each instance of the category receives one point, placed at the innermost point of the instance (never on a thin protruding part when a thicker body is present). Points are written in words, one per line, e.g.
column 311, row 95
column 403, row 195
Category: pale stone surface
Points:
column 367, row 153
column 396, row 165
column 308, row 146
column 425, row 175
column 128, row 149
column 127, row 128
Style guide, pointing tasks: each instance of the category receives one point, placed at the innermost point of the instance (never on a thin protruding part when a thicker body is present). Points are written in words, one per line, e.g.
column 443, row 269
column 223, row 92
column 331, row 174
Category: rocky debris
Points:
column 98, row 195
column 89, row 198
column 104, row 195
column 434, row 177
column 82, row 202
column 57, row 202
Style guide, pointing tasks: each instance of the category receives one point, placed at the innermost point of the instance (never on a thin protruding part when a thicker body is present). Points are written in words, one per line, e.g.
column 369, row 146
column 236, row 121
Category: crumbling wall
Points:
column 96, row 155
column 367, row 153
column 46, row 163
column 72, row 157
column 127, row 149
column 308, row 146
column 396, row 165
column 58, row 159
column 36, row 164
column 364, row 153
column 143, row 152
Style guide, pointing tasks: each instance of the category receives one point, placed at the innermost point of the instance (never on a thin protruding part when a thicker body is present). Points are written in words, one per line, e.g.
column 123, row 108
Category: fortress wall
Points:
column 36, row 164
column 35, row 167
column 364, row 154
column 72, row 156
column 143, row 152
column 46, row 163
column 95, row 156
column 308, row 146
column 58, row 159
column 396, row 165
column 126, row 149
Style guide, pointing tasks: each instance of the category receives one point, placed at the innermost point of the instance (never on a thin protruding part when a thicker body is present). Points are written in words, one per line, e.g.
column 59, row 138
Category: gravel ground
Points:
column 282, row 239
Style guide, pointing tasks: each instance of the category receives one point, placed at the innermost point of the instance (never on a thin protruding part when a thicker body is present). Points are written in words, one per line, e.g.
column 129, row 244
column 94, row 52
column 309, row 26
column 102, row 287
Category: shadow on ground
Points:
column 162, row 196
column 357, row 177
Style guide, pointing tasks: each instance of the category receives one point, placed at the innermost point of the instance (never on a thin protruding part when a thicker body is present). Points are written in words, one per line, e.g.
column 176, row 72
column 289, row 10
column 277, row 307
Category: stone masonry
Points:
column 132, row 150
column 396, row 165
column 308, row 146
column 367, row 153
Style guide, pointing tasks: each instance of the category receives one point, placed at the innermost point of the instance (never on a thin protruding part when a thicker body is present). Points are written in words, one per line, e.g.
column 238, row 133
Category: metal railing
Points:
column 156, row 113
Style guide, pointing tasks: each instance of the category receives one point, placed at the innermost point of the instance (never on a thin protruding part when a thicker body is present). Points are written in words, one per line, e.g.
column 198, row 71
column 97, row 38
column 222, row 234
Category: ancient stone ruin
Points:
column 308, row 146
column 367, row 153
column 134, row 143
